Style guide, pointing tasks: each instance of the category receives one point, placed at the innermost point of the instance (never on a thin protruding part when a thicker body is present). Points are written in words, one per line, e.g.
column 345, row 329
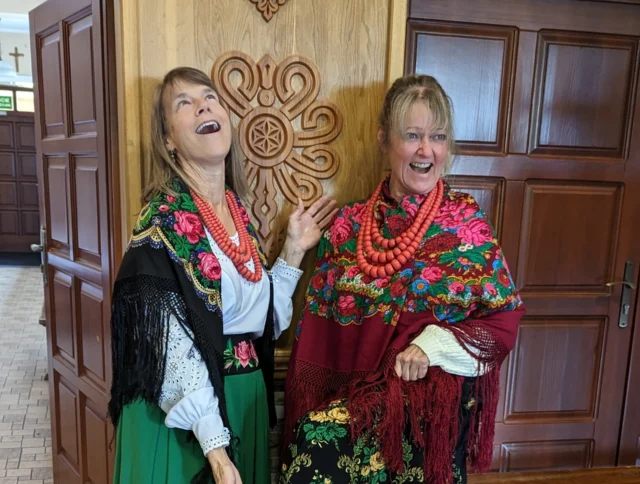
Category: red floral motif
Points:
column 397, row 224
column 491, row 289
column 398, row 287
column 189, row 225
column 209, row 266
column 318, row 281
column 477, row 232
column 382, row 283
column 243, row 353
column 254, row 355
column 503, row 278
column 163, row 208
column 444, row 242
column 457, row 287
column 354, row 212
column 347, row 305
column 171, row 198
column 340, row 232
column 411, row 208
column 353, row 272
column 431, row 274
column 331, row 278
column 476, row 290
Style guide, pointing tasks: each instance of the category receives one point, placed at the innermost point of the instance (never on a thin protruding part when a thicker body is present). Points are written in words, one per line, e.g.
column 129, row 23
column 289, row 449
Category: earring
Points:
column 174, row 156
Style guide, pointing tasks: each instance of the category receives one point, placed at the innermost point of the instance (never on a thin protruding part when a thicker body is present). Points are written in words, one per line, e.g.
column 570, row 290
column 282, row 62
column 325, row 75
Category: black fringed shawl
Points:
column 169, row 269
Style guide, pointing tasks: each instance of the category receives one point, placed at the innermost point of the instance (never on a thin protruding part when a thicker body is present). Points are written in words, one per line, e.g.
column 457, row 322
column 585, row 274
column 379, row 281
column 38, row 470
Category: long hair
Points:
column 163, row 167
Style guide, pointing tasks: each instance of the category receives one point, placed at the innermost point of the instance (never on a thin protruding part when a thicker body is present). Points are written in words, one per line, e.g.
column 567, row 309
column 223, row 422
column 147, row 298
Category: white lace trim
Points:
column 281, row 268
column 221, row 440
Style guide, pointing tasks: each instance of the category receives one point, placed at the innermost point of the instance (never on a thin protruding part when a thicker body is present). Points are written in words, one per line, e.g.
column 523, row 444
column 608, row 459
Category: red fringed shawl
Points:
column 353, row 326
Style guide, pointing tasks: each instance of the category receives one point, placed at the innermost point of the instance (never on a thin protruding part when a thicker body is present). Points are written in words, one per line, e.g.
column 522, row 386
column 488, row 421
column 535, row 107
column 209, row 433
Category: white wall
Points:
column 8, row 42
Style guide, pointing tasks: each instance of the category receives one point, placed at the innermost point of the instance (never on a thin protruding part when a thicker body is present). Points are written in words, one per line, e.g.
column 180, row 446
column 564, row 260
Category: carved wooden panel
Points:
column 87, row 203
column 488, row 192
column 556, row 455
column 27, row 164
column 474, row 65
column 541, row 355
column 62, row 324
column 29, row 195
column 51, row 86
column 7, row 165
column 57, row 188
column 8, row 195
column 9, row 222
column 95, row 425
column 268, row 8
column 557, row 219
column 6, row 135
column 276, row 150
column 80, row 61
column 26, row 138
column 583, row 118
column 93, row 360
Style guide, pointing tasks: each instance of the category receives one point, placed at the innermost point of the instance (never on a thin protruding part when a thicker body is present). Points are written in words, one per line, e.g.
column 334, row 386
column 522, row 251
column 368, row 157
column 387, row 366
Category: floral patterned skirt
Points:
column 323, row 452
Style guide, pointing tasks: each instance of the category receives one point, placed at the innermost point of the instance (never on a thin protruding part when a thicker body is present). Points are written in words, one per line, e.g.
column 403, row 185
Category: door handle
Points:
column 42, row 248
column 625, row 299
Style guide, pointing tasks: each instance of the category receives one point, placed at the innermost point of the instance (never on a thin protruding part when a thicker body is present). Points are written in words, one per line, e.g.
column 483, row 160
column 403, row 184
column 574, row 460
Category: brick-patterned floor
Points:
column 25, row 435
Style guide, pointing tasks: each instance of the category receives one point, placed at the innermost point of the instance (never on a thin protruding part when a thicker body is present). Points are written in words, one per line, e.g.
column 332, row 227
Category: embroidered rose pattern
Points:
column 242, row 355
column 458, row 272
column 188, row 225
column 209, row 266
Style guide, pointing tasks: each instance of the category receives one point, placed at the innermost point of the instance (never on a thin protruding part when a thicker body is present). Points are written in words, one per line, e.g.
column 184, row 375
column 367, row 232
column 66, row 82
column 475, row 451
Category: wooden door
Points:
column 78, row 177
column 548, row 123
column 19, row 219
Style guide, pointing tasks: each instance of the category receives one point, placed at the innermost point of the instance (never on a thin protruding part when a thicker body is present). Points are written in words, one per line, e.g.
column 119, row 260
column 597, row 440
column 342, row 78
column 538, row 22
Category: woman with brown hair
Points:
column 196, row 310
column 409, row 314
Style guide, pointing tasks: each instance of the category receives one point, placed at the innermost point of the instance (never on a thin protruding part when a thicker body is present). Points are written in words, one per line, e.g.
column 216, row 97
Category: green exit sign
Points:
column 6, row 103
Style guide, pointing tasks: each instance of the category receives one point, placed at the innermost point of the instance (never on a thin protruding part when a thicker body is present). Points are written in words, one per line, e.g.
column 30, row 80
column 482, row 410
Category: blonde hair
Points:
column 163, row 166
column 408, row 91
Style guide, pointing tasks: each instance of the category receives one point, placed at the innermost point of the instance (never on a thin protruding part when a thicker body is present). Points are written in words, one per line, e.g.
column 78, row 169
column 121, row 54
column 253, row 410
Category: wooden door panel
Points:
column 7, row 165
column 93, row 332
column 56, row 187
column 8, row 195
column 558, row 454
column 9, row 222
column 539, row 372
column 26, row 137
column 79, row 198
column 94, row 424
column 6, row 135
column 29, row 195
column 565, row 262
column 80, row 61
column 30, row 224
column 569, row 172
column 459, row 53
column 574, row 118
column 62, row 321
column 51, row 82
column 28, row 166
column 87, row 203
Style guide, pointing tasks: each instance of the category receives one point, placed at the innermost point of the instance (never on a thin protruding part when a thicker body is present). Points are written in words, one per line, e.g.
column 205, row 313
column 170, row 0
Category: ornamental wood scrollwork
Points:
column 276, row 153
column 268, row 8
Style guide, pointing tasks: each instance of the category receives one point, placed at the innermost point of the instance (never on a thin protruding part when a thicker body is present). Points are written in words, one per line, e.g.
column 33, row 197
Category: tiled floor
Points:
column 25, row 435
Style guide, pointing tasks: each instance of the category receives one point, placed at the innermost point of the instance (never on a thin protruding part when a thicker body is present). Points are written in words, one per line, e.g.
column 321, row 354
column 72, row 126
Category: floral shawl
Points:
column 170, row 269
column 353, row 326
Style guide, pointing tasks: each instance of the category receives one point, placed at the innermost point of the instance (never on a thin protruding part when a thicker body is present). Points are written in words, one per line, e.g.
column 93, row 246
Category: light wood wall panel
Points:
column 346, row 40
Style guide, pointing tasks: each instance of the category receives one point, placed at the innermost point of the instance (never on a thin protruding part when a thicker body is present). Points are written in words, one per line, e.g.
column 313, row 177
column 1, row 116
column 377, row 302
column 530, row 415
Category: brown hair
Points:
column 404, row 94
column 163, row 166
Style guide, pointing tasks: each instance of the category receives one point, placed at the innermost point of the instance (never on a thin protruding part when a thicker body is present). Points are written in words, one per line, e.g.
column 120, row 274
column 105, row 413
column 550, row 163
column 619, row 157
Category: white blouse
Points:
column 187, row 395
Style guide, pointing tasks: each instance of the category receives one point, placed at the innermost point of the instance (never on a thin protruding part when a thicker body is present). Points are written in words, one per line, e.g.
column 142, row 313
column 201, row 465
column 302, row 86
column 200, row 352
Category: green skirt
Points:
column 148, row 452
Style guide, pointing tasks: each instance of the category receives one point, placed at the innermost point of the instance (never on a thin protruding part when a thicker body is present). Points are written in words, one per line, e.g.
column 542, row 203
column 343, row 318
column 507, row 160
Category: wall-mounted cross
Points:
column 16, row 55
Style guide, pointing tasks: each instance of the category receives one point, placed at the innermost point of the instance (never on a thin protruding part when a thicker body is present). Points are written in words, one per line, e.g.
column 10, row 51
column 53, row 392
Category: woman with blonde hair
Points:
column 196, row 309
column 409, row 314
